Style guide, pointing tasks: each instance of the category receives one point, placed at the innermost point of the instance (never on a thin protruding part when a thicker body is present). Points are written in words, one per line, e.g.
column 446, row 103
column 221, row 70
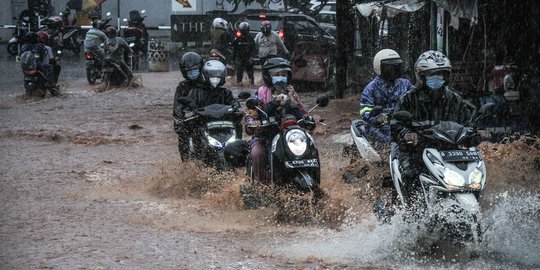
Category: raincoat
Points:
column 380, row 93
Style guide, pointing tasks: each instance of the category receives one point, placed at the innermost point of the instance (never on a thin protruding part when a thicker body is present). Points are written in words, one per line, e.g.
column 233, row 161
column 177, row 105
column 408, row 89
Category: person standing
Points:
column 243, row 52
column 268, row 43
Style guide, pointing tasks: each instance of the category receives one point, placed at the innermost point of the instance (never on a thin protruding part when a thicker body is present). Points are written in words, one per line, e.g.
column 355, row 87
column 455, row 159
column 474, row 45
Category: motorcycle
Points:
column 34, row 79
column 112, row 73
column 216, row 139
column 59, row 38
column 22, row 27
column 451, row 178
column 94, row 61
column 294, row 159
column 137, row 35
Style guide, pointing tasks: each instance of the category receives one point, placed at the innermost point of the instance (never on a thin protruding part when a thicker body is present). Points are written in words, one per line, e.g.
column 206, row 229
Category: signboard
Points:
column 184, row 5
column 196, row 28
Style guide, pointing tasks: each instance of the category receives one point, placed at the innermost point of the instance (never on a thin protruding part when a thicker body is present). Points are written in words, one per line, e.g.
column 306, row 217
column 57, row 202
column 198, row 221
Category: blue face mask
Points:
column 435, row 82
column 279, row 79
column 193, row 74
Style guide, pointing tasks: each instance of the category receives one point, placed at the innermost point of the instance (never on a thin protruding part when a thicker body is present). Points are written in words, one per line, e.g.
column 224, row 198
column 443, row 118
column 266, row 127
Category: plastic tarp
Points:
column 457, row 8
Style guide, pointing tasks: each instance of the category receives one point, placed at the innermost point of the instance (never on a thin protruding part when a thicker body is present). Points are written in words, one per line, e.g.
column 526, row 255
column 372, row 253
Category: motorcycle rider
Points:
column 202, row 89
column 32, row 44
column 243, row 53
column 431, row 101
column 382, row 93
column 94, row 38
column 221, row 38
column 136, row 20
column 114, row 50
column 268, row 43
column 276, row 98
column 43, row 38
column 191, row 65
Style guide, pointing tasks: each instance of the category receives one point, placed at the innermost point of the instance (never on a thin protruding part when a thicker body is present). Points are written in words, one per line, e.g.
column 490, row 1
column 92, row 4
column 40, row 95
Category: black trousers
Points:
column 241, row 65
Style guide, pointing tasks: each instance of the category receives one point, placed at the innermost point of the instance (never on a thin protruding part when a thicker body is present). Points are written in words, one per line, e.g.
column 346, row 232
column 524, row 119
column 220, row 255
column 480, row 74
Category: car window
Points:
column 255, row 23
column 304, row 27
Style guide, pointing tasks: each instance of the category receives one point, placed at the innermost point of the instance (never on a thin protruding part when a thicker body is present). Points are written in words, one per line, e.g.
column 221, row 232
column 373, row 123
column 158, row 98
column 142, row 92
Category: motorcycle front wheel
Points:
column 13, row 48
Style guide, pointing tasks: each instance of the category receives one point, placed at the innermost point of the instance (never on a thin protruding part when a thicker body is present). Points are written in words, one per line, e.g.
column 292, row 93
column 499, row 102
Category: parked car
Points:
column 311, row 48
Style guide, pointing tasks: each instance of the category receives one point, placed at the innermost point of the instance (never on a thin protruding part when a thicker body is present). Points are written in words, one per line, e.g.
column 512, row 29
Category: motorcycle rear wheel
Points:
column 90, row 75
column 13, row 48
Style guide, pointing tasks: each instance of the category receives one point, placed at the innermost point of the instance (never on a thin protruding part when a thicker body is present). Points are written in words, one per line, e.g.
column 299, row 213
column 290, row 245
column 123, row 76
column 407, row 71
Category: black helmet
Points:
column 111, row 32
column 190, row 61
column 31, row 38
column 244, row 28
column 274, row 65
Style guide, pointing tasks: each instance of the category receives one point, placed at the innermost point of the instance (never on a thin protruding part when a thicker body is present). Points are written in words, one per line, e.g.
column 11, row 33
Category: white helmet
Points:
column 214, row 73
column 388, row 64
column 219, row 23
column 431, row 61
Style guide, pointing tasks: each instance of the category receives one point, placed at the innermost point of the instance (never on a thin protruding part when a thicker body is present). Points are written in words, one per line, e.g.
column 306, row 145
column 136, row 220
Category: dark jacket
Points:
column 244, row 48
column 447, row 107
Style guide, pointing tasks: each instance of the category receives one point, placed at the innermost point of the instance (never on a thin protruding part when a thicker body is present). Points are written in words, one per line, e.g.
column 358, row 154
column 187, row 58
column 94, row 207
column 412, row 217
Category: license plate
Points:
column 461, row 155
column 313, row 163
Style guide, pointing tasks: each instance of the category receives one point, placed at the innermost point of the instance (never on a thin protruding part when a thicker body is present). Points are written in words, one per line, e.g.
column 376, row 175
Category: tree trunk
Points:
column 344, row 30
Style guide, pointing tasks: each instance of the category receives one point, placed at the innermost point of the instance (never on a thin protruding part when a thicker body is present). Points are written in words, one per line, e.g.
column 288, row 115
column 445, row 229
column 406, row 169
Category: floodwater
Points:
column 93, row 180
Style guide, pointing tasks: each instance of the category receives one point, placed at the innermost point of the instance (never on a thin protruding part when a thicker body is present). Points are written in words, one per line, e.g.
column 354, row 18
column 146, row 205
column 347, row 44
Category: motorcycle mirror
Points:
column 244, row 95
column 131, row 45
column 108, row 14
column 61, row 14
column 252, row 103
column 403, row 116
column 59, row 52
column 322, row 101
column 125, row 20
column 143, row 11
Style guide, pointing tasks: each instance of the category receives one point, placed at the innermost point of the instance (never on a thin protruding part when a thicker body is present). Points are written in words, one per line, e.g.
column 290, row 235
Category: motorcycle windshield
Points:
column 449, row 131
column 215, row 111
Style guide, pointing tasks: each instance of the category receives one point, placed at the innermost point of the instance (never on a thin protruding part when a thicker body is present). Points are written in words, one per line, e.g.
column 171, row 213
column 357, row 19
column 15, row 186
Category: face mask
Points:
column 279, row 79
column 214, row 81
column 435, row 82
column 193, row 74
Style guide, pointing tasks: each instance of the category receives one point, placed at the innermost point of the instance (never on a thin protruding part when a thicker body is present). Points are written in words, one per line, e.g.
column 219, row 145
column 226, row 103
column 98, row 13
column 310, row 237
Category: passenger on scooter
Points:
column 244, row 51
column 431, row 101
column 94, row 38
column 277, row 98
column 382, row 94
column 32, row 44
column 204, row 89
column 114, row 50
column 50, row 59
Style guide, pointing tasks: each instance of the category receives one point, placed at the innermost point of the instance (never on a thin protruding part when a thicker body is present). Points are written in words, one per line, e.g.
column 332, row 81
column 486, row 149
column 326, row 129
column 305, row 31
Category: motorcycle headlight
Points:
column 214, row 142
column 475, row 179
column 453, row 179
column 297, row 142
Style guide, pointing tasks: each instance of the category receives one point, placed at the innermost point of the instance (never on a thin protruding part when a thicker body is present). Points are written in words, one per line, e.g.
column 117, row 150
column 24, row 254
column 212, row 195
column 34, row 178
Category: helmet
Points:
column 214, row 73
column 96, row 23
column 31, row 37
column 387, row 64
column 190, row 61
column 273, row 66
column 244, row 28
column 219, row 23
column 43, row 37
column 429, row 62
column 111, row 32
column 266, row 27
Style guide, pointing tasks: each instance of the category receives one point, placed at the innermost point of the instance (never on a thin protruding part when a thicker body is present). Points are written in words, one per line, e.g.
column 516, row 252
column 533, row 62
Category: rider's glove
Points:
column 411, row 137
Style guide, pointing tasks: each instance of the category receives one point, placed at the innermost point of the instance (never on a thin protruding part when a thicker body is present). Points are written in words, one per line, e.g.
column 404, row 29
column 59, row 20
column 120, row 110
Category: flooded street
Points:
column 93, row 181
